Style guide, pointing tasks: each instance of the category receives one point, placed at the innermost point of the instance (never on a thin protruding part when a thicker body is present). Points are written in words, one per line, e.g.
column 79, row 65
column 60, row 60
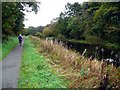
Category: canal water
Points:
column 96, row 51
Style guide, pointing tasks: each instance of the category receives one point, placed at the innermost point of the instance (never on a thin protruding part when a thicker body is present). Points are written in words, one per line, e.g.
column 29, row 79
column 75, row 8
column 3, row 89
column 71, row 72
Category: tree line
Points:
column 32, row 30
column 79, row 21
column 13, row 17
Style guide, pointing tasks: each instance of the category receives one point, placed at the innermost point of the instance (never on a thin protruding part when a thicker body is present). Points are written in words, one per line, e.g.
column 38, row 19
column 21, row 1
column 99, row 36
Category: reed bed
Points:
column 79, row 71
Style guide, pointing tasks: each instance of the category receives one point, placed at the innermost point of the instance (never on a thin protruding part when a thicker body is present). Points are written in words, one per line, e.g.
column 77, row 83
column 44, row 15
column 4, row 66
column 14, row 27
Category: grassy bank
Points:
column 35, row 72
column 8, row 46
column 77, row 70
column 92, row 40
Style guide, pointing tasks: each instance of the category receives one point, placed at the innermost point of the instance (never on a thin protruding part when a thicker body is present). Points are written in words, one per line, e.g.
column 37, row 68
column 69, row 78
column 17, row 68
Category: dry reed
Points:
column 79, row 71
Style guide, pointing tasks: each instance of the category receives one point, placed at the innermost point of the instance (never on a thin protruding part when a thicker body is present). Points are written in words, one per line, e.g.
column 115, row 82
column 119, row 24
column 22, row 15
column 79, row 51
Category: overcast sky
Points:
column 49, row 9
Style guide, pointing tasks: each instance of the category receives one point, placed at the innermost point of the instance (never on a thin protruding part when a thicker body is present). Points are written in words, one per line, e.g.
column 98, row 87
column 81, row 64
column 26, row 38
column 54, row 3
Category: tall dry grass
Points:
column 79, row 71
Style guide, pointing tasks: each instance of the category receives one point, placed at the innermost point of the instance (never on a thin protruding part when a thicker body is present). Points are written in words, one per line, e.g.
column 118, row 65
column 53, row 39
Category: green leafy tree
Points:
column 107, row 20
column 13, row 16
column 47, row 32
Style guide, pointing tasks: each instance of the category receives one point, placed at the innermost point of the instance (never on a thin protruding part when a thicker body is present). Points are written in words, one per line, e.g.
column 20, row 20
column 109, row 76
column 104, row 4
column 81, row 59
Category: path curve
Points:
column 10, row 68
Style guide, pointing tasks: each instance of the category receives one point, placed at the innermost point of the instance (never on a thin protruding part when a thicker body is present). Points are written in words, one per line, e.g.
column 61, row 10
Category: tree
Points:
column 70, row 23
column 73, row 9
column 13, row 16
column 33, row 30
column 91, row 18
column 107, row 20
column 47, row 32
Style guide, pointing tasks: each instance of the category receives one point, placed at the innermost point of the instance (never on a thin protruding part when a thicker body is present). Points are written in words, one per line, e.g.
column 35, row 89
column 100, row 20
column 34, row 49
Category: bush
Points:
column 61, row 37
column 39, row 34
column 47, row 32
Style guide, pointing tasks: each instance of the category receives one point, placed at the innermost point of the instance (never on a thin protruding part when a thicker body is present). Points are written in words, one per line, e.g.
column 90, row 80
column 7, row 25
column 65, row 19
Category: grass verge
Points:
column 77, row 70
column 8, row 46
column 35, row 72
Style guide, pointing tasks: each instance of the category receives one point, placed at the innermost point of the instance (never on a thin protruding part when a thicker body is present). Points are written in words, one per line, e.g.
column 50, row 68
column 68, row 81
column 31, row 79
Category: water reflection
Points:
column 98, row 52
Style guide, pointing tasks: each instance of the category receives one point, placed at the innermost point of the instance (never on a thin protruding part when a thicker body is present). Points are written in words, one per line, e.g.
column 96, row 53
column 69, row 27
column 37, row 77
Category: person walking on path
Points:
column 20, row 39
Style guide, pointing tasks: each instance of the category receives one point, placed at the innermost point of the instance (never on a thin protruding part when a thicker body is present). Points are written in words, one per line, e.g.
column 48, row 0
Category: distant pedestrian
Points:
column 20, row 39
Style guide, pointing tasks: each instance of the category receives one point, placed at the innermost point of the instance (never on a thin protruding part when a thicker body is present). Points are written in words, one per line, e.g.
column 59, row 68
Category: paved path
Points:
column 10, row 68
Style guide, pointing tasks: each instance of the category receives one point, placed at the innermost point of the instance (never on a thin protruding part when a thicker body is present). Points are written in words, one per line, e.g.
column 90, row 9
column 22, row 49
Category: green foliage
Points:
column 91, row 18
column 33, row 30
column 70, row 23
column 39, row 34
column 73, row 9
column 84, row 72
column 47, row 32
column 61, row 37
column 13, row 16
column 105, row 17
column 35, row 71
column 8, row 46
column 25, row 32
column 98, row 29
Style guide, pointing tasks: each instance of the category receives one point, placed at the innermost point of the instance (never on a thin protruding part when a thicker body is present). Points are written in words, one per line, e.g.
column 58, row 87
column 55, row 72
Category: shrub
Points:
column 61, row 37
column 47, row 32
column 39, row 34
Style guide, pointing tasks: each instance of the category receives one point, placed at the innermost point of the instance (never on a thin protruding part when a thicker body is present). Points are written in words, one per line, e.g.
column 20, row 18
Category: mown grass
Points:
column 8, row 46
column 35, row 72
column 77, row 70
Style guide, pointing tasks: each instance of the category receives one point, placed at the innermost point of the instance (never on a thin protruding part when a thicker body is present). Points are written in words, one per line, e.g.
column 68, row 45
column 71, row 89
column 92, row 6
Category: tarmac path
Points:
column 10, row 66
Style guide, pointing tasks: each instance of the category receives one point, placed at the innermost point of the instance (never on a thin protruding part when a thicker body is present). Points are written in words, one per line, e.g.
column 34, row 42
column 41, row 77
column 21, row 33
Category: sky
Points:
column 49, row 9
